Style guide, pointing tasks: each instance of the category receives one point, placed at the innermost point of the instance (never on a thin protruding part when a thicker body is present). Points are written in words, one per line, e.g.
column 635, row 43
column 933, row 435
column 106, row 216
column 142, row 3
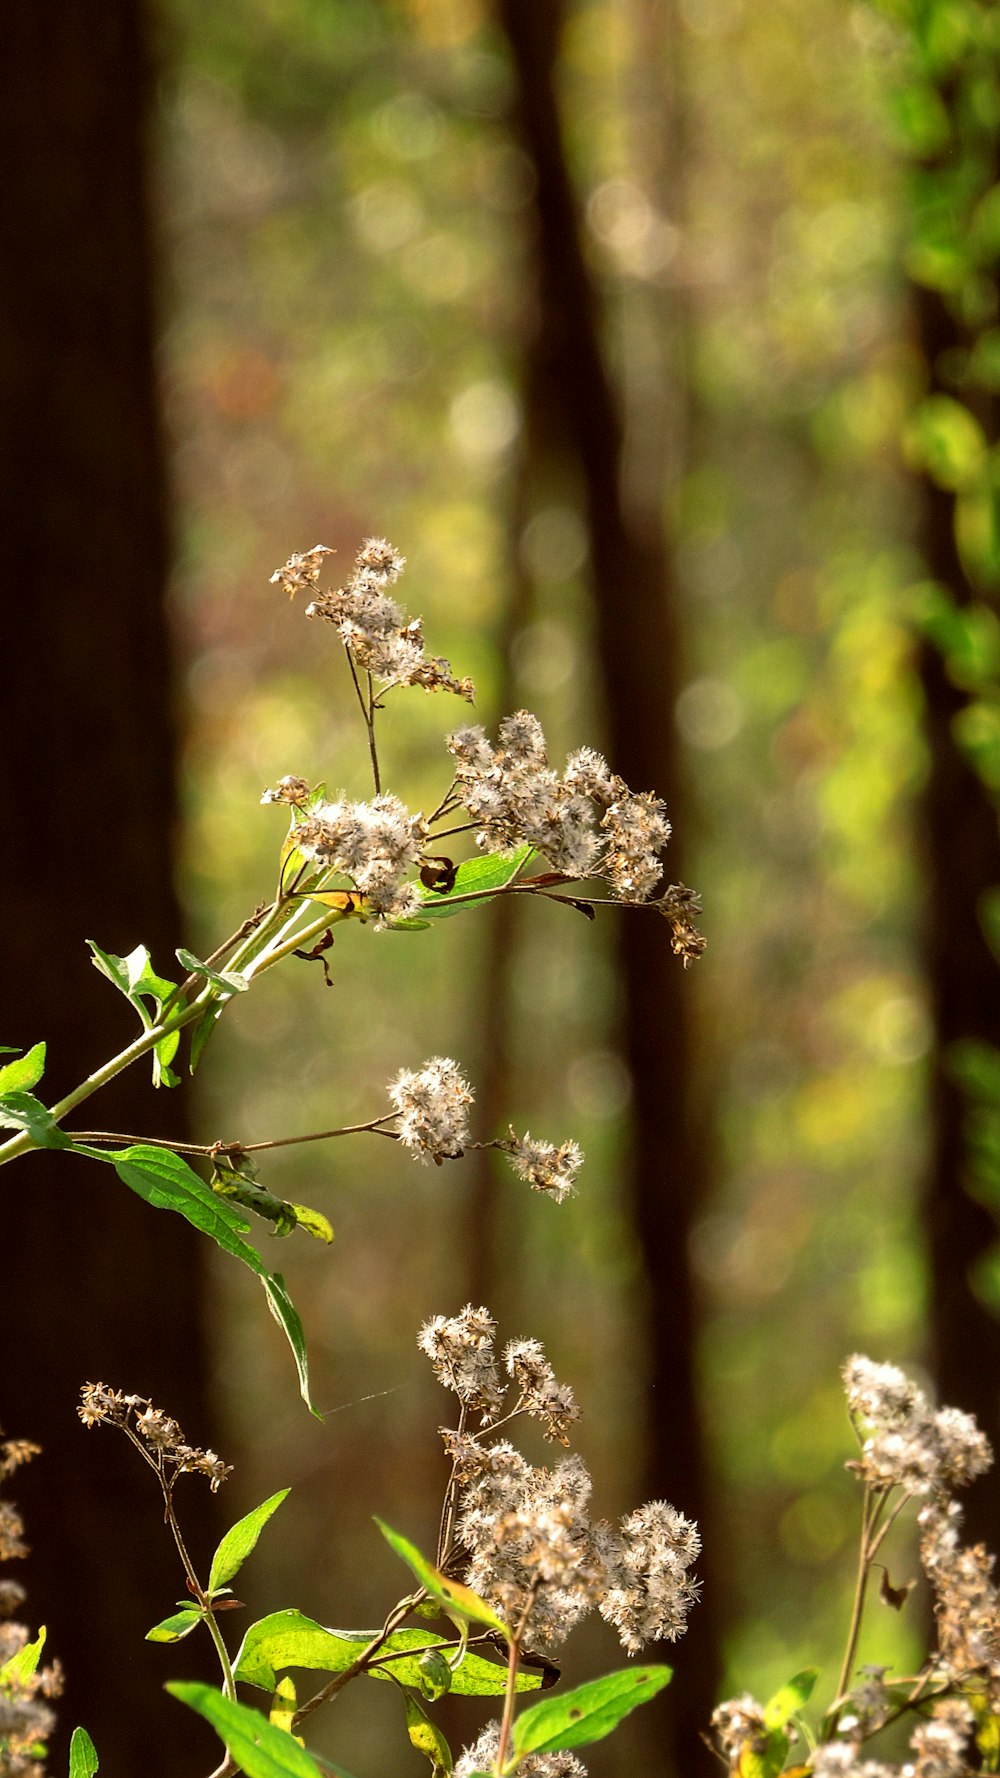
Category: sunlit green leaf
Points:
column 589, row 1712
column 22, row 1665
column 288, row 1639
column 427, row 1738
column 287, row 1316
column 228, row 981
column 259, row 1748
column 83, row 1760
column 173, row 1629
column 167, row 1182
column 474, row 877
column 240, row 1539
column 460, row 1600
column 790, row 1698
column 22, row 1111
column 25, row 1073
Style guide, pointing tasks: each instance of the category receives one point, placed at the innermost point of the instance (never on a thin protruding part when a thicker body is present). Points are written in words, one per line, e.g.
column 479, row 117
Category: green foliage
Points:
column 239, row 1540
column 458, row 1601
column 135, row 977
column 176, row 1627
column 22, row 1665
column 22, row 1111
column 83, row 1760
column 258, row 1748
column 25, row 1073
column 427, row 1738
column 587, row 1713
column 287, row 1639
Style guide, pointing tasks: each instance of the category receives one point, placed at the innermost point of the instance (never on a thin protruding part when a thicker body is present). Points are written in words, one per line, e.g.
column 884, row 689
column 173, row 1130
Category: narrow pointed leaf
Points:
column 451, row 1593
column 83, row 1760
column 257, row 1747
column 790, row 1698
column 22, row 1111
column 22, row 1665
column 174, row 1629
column 287, row 1639
column 475, row 877
column 427, row 1738
column 287, row 1316
column 229, row 981
column 240, row 1540
column 167, row 1182
column 588, row 1713
column 202, row 1030
column 25, row 1073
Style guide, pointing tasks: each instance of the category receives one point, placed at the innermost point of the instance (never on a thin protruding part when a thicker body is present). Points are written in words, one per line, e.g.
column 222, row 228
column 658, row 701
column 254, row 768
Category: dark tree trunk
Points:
column 961, row 844
column 638, row 667
column 95, row 1284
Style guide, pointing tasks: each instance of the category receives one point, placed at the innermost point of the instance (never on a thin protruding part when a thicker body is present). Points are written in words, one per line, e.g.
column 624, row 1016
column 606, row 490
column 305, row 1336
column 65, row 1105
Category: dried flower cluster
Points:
column 375, row 844
column 587, row 822
column 909, row 1450
column 373, row 627
column 155, row 1434
column 25, row 1719
column 904, row 1441
column 481, row 1755
column 531, row 1547
column 433, row 1102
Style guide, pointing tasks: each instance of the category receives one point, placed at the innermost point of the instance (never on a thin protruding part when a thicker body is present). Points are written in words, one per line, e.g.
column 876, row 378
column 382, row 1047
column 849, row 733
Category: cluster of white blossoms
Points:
column 904, row 1441
column 373, row 627
column 586, row 822
column 926, row 1452
column 376, row 845
column 531, row 1548
column 432, row 1104
column 25, row 1719
column 161, row 1436
column 481, row 1755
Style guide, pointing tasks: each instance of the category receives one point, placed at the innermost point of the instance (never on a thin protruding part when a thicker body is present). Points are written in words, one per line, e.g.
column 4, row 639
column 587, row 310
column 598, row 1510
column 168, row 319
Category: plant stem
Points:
column 870, row 1513
column 507, row 1722
column 339, row 1680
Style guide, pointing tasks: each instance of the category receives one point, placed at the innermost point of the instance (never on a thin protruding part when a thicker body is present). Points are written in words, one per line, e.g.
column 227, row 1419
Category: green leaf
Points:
column 258, row 1748
column 173, row 1629
column 167, row 1182
column 435, row 1674
column 287, row 1316
column 229, row 981
column 427, row 1738
column 460, row 1600
column 240, row 1540
column 589, row 1712
column 22, row 1075
column 288, row 1639
column 135, row 977
column 22, row 1111
column 947, row 442
column 83, row 1760
column 202, row 1030
column 790, row 1698
column 22, row 1665
column 475, row 877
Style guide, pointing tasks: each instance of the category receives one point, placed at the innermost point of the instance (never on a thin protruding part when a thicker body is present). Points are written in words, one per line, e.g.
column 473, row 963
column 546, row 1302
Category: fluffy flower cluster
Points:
column 545, row 1167
column 433, row 1105
column 481, row 1755
column 155, row 1433
column 374, row 844
column 966, row 1601
column 25, row 1719
column 532, row 1549
column 905, row 1442
column 586, row 822
column 940, row 1747
column 372, row 626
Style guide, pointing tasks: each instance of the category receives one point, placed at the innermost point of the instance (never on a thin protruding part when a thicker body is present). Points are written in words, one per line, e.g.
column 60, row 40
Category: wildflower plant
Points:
column 520, row 1559
column 910, row 1455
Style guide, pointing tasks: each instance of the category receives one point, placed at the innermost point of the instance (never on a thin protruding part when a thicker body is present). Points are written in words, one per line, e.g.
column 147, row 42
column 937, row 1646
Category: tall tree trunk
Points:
column 95, row 1283
column 639, row 667
column 961, row 846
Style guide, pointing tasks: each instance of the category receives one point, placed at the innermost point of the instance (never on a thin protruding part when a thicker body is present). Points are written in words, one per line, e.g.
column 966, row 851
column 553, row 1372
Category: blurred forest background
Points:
column 660, row 336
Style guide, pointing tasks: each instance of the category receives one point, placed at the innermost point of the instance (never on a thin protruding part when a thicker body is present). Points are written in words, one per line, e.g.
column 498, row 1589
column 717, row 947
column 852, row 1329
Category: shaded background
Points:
column 601, row 313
